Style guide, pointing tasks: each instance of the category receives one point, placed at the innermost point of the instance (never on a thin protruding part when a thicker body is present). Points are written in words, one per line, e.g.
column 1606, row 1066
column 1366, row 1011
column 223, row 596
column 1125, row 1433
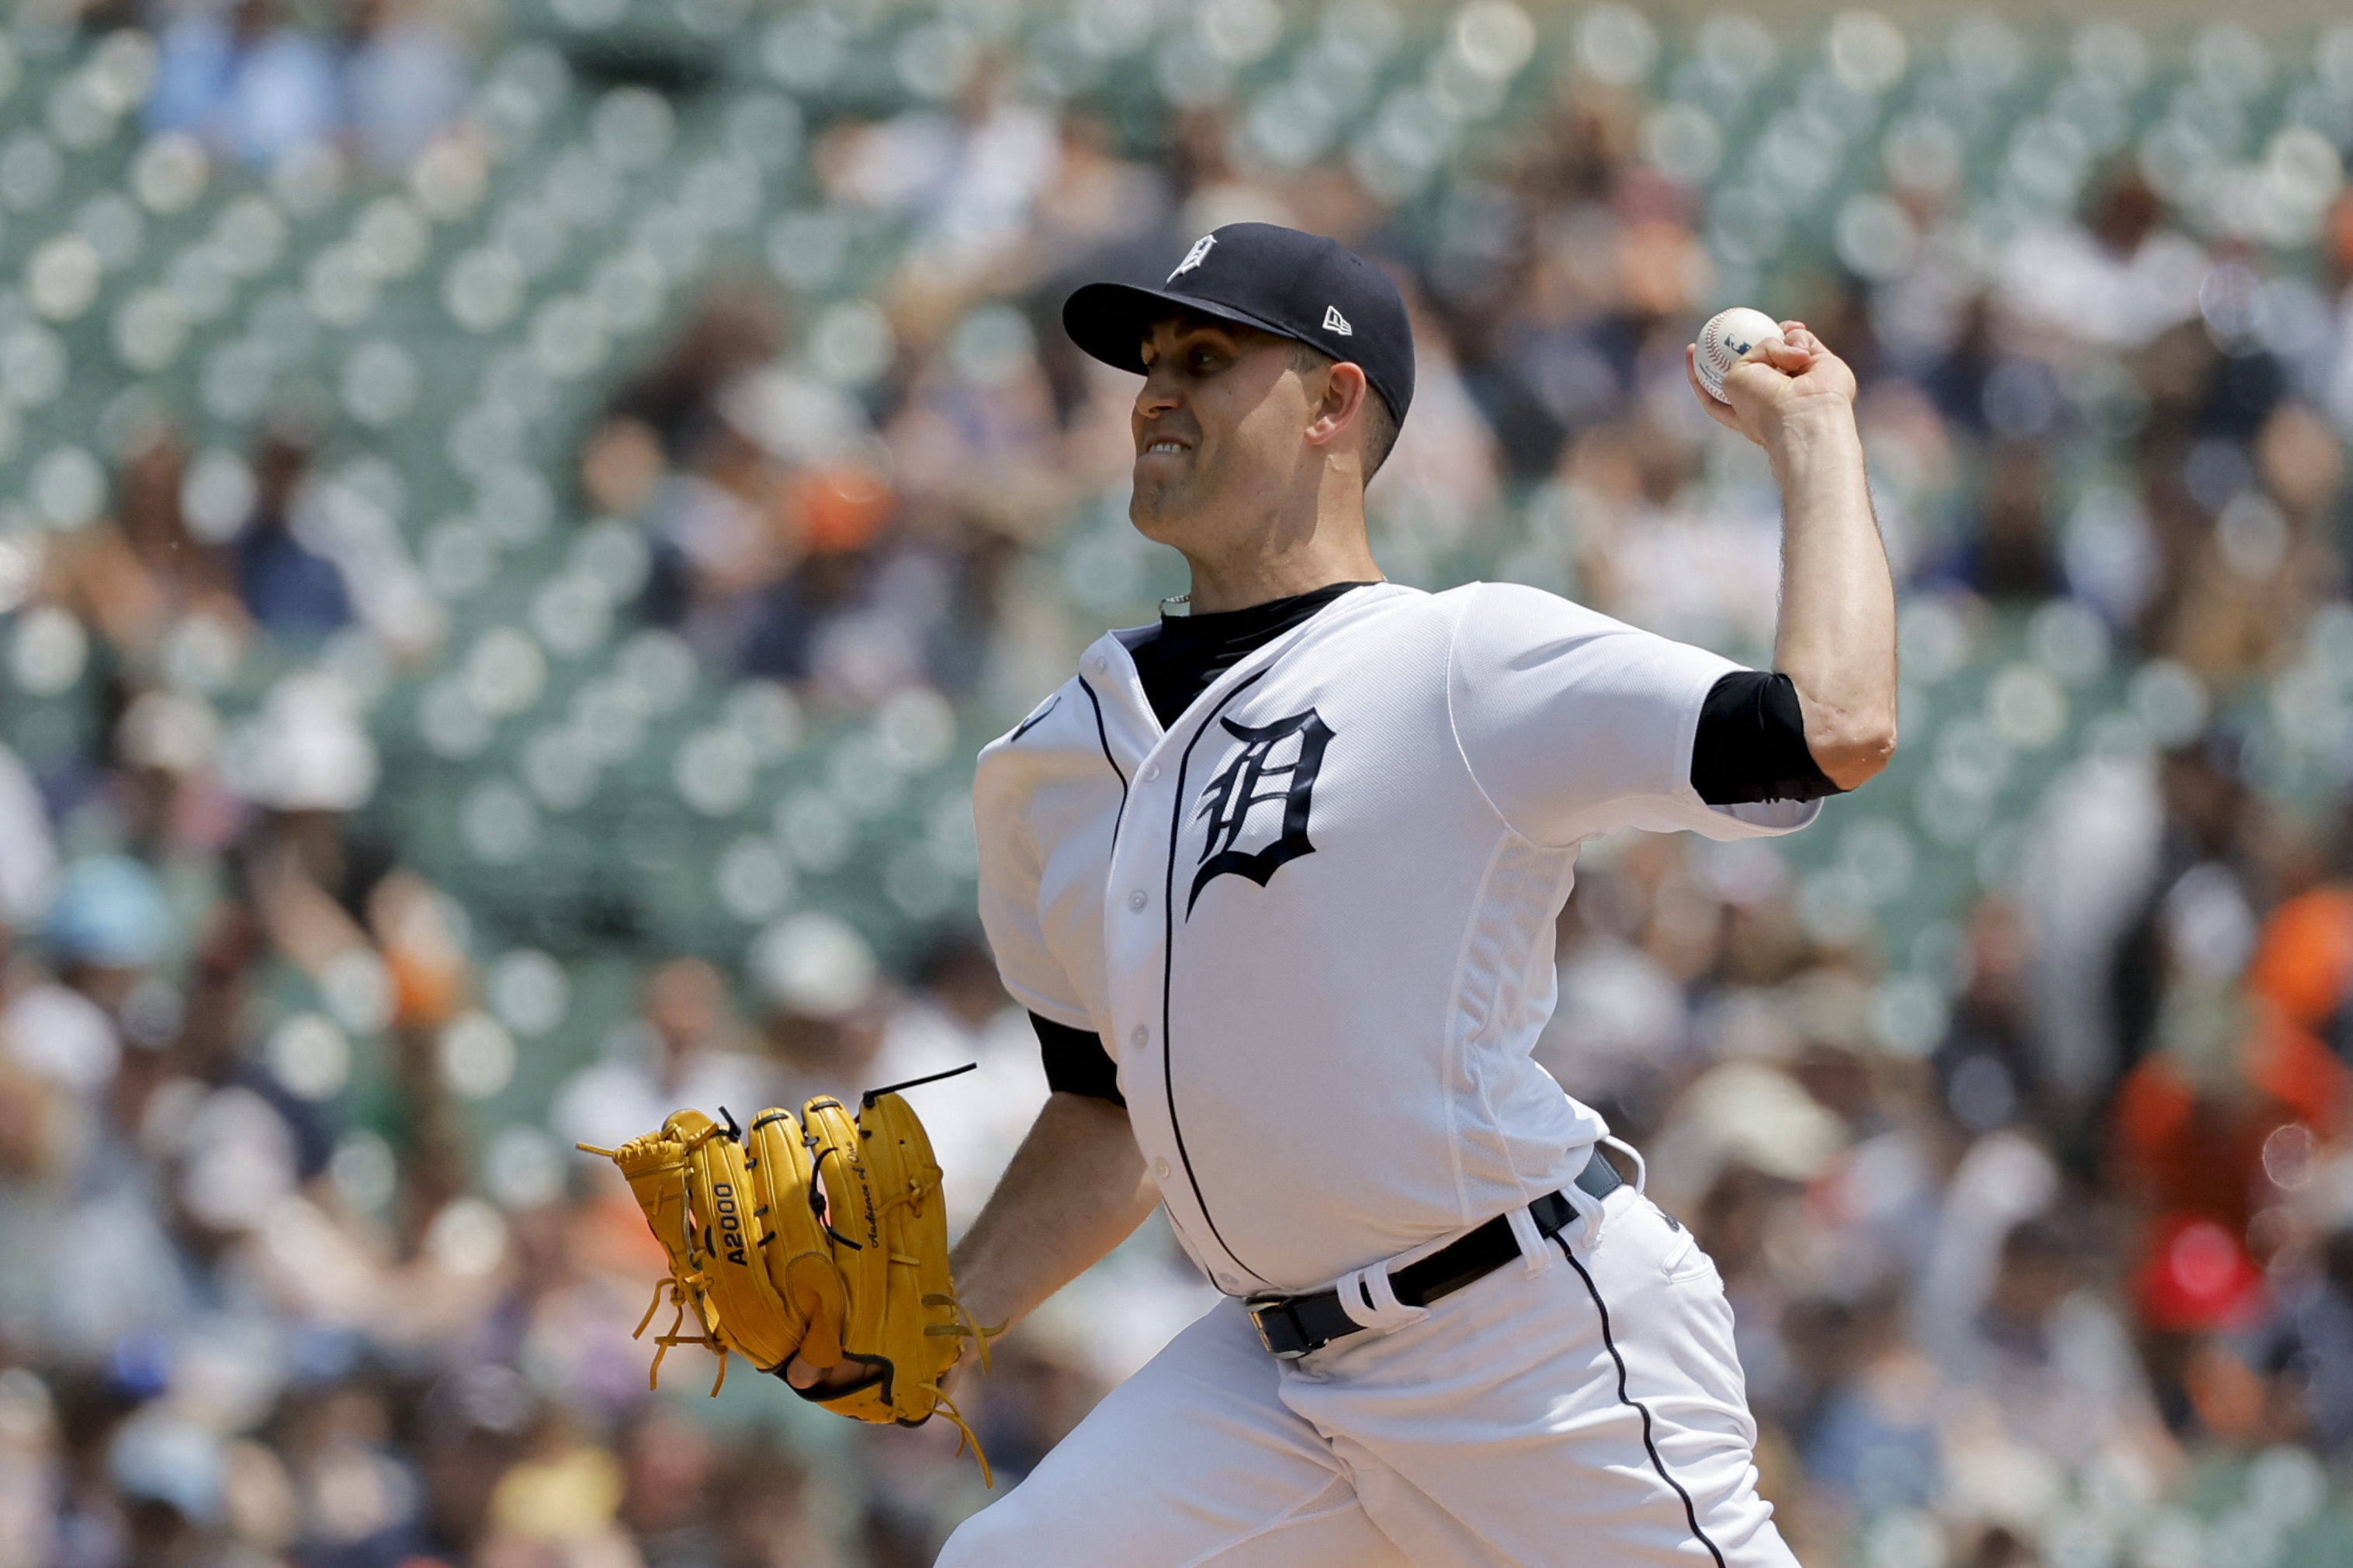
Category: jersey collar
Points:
column 1109, row 665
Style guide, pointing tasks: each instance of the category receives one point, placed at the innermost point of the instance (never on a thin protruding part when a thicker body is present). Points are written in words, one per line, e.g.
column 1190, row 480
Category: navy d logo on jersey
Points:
column 1253, row 779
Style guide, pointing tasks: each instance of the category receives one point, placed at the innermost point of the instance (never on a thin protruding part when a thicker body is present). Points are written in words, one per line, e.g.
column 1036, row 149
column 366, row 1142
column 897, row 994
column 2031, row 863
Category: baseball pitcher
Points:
column 1278, row 880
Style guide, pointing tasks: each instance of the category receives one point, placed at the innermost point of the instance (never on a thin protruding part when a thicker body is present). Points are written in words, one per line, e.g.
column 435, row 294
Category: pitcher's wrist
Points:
column 1813, row 433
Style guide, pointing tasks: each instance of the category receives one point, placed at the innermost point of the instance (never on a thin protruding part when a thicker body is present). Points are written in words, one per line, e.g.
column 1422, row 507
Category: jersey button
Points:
column 1141, row 1037
column 1152, row 773
column 1160, row 1169
column 1137, row 899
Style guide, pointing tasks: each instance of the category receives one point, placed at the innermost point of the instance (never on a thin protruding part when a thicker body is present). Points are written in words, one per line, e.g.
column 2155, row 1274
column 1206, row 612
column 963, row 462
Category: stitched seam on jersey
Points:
column 1497, row 926
column 1680, row 792
column 1454, row 731
column 1542, row 887
column 1690, row 1511
column 1038, row 718
column 1458, row 1031
column 1168, row 969
column 1458, row 1037
column 1103, row 737
column 1024, row 834
column 1507, row 1002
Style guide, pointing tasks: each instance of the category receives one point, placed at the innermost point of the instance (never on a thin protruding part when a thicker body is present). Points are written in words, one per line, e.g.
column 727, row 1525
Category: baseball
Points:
column 1728, row 335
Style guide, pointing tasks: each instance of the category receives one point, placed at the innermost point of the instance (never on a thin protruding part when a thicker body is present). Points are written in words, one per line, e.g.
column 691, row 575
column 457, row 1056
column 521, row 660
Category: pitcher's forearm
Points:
column 1836, row 639
column 1076, row 1189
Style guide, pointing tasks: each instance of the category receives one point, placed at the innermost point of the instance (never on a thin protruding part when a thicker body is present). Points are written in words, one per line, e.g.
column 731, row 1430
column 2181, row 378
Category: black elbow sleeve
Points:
column 1076, row 1062
column 1751, row 745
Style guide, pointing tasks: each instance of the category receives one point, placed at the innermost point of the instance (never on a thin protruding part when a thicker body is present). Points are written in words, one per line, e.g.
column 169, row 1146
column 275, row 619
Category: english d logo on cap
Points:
column 1195, row 256
column 1304, row 287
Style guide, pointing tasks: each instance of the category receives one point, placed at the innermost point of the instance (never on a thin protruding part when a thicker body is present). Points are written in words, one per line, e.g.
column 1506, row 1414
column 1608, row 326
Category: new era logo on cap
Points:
column 1302, row 287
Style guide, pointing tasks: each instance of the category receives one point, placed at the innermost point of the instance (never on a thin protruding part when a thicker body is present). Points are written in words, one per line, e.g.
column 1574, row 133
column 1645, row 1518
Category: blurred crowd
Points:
column 251, row 82
column 2038, row 1226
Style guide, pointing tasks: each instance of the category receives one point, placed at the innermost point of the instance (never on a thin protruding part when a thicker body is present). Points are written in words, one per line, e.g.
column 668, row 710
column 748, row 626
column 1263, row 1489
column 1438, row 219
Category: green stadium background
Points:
column 591, row 787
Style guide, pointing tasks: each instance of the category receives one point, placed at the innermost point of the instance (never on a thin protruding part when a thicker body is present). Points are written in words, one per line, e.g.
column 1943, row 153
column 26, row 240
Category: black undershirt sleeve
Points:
column 1076, row 1062
column 1751, row 744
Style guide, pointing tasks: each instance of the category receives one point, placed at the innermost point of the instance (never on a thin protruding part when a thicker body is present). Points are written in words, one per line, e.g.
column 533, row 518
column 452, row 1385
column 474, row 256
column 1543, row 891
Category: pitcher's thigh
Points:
column 1598, row 1404
column 1667, row 1337
column 1192, row 1463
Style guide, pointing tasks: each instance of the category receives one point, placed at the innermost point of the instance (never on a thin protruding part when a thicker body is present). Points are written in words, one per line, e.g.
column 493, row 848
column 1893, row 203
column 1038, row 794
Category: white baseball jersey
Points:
column 1313, row 921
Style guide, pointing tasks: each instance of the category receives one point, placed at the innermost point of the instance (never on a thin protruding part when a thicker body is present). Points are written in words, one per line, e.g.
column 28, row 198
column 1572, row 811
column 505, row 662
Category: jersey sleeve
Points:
column 1575, row 725
column 1009, row 873
column 1076, row 1061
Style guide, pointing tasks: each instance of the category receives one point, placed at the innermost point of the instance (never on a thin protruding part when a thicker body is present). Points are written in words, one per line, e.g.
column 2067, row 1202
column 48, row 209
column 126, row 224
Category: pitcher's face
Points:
column 1219, row 428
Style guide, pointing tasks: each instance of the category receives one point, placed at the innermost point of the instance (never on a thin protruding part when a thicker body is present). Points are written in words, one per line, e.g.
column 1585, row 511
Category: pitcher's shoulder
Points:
column 1499, row 607
column 1058, row 722
column 1038, row 715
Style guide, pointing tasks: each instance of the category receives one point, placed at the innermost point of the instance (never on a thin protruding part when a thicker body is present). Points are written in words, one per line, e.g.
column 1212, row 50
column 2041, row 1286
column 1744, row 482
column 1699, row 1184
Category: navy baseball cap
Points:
column 1299, row 286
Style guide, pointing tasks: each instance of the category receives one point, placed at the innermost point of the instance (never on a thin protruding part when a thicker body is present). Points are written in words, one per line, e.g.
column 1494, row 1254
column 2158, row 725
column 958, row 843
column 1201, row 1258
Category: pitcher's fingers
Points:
column 803, row 1376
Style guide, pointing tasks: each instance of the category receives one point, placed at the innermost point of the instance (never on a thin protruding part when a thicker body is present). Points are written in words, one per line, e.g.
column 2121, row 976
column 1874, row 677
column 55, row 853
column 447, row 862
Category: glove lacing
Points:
column 663, row 1341
column 963, row 1328
column 677, row 1288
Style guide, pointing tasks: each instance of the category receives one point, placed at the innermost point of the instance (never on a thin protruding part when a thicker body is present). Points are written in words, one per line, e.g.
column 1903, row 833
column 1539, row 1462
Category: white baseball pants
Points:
column 1592, row 1412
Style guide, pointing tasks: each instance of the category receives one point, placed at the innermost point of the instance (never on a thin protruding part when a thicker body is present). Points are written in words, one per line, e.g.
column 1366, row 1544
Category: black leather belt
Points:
column 1293, row 1326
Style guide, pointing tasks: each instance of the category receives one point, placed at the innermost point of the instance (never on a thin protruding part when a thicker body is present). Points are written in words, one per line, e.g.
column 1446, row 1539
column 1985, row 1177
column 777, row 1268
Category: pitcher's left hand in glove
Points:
column 824, row 1237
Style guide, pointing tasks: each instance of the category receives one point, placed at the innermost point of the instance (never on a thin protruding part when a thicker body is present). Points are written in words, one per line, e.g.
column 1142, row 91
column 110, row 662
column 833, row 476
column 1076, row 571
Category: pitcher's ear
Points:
column 1345, row 392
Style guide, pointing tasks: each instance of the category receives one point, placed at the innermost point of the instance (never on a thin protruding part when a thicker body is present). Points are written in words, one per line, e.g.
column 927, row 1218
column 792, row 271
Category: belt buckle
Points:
column 1257, row 1306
